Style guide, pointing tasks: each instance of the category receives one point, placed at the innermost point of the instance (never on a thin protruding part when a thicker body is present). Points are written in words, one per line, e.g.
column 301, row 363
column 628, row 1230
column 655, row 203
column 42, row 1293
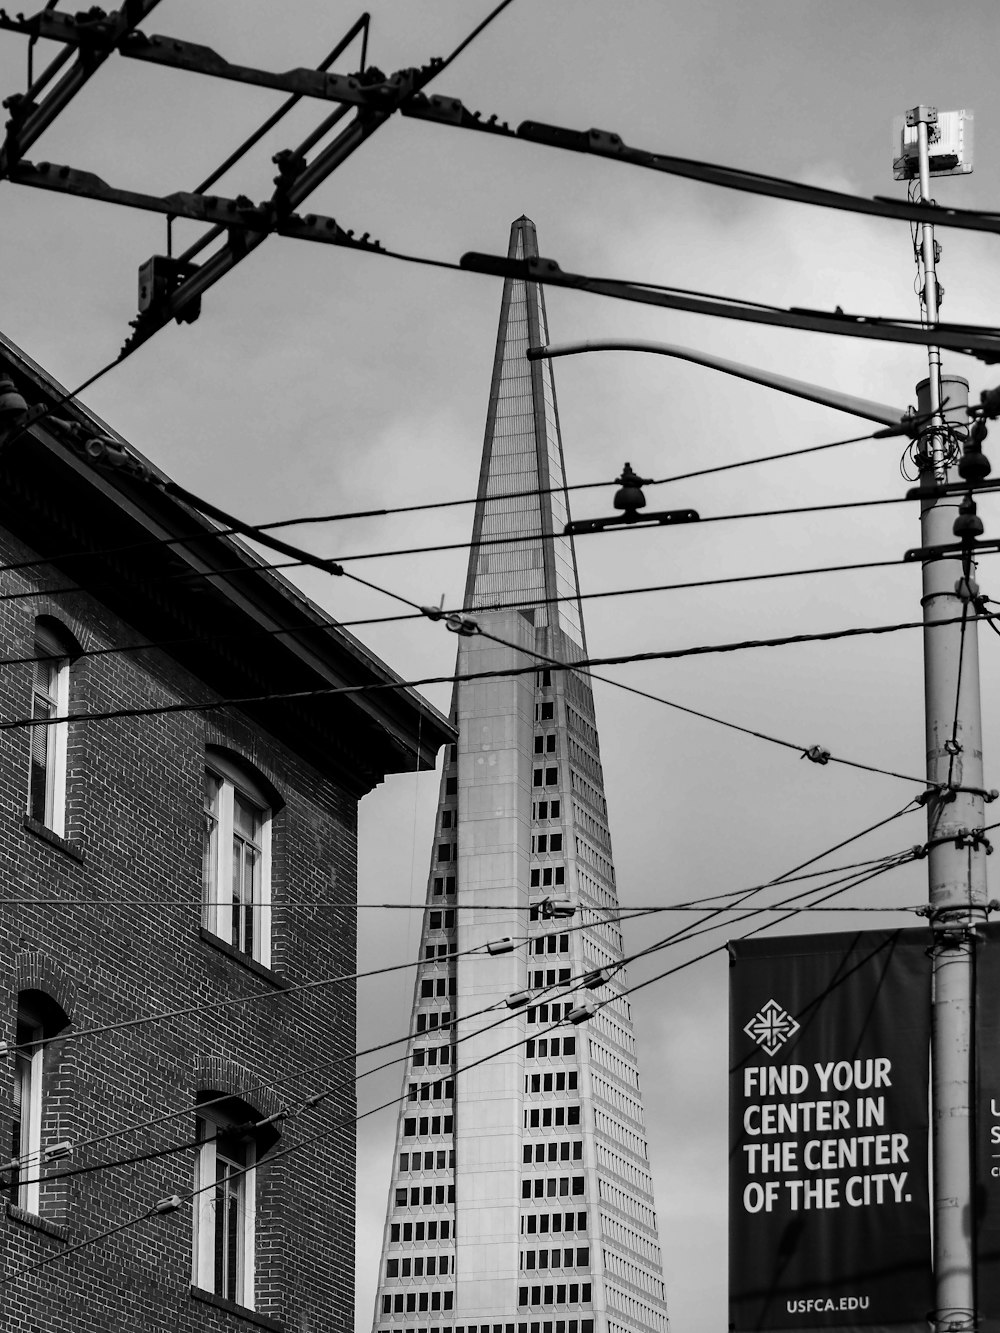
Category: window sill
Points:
column 251, row 1316
column 42, row 831
column 244, row 959
column 53, row 1229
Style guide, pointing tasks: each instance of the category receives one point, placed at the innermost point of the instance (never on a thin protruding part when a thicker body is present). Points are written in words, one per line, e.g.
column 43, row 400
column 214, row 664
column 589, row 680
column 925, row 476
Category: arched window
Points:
column 39, row 1019
column 49, row 698
column 229, row 1145
column 236, row 855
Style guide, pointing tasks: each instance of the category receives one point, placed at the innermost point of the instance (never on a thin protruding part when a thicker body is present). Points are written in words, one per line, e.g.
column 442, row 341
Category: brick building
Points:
column 213, row 846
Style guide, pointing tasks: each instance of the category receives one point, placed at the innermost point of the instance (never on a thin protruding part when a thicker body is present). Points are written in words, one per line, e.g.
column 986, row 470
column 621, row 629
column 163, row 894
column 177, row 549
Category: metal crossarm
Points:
column 94, row 36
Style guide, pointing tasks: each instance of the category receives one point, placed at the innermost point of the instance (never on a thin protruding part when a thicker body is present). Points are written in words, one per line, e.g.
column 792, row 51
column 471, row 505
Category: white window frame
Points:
column 28, row 1070
column 217, row 909
column 56, row 736
column 212, row 1123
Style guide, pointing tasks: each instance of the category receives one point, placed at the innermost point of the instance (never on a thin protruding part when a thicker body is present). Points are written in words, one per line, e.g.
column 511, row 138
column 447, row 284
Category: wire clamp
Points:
column 953, row 747
column 989, row 796
column 556, row 907
column 459, row 624
column 599, row 977
column 168, row 1205
column 816, row 754
column 584, row 1010
column 974, row 838
column 434, row 612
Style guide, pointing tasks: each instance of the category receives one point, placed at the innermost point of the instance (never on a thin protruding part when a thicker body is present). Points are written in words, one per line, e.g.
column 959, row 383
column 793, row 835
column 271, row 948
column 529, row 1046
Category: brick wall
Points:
column 134, row 830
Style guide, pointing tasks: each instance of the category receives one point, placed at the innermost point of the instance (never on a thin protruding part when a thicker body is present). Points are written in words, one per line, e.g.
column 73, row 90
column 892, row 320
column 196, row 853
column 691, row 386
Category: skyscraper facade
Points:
column 521, row 1199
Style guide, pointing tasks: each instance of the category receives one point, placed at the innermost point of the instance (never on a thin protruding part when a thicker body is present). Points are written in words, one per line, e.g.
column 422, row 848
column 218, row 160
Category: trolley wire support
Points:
column 94, row 34
column 169, row 287
column 629, row 498
column 974, row 340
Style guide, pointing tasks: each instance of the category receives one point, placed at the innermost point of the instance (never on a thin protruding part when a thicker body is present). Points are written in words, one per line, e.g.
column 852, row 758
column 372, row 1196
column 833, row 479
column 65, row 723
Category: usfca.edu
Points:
column 823, row 1303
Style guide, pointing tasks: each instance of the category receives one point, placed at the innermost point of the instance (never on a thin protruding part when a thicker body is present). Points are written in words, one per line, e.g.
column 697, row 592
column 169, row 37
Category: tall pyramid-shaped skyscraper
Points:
column 521, row 1199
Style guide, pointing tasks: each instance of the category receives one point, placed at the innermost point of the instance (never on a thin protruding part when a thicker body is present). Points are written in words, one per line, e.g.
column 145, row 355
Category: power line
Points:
column 744, row 894
column 233, row 1001
column 419, row 615
column 285, row 990
column 345, row 1122
column 815, row 753
column 489, row 543
column 314, row 1099
column 978, row 340
column 348, row 515
column 615, row 660
column 430, row 905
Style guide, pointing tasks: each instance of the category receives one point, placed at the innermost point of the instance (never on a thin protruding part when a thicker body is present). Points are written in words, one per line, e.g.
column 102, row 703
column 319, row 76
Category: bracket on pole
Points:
column 578, row 526
column 950, row 548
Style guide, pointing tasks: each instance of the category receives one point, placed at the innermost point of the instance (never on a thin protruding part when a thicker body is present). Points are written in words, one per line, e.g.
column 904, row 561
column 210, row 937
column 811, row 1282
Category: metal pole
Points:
column 957, row 856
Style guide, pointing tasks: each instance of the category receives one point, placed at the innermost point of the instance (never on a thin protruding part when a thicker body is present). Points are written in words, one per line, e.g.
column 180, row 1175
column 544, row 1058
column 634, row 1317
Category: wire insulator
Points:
column 817, row 754
column 168, row 1205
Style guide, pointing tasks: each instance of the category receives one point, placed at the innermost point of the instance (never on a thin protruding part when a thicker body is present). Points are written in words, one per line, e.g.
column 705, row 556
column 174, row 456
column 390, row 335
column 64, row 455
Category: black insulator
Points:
column 968, row 524
column 629, row 496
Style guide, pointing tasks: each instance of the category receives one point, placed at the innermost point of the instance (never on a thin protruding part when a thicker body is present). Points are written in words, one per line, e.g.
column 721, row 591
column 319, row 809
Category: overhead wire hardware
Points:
column 979, row 341
column 629, row 498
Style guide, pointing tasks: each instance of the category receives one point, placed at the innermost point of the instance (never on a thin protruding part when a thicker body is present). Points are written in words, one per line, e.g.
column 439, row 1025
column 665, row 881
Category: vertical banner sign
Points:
column 828, row 1192
column 987, row 1128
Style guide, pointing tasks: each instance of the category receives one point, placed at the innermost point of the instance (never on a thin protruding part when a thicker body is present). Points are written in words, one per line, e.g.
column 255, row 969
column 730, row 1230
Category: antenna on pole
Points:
column 926, row 143
column 929, row 143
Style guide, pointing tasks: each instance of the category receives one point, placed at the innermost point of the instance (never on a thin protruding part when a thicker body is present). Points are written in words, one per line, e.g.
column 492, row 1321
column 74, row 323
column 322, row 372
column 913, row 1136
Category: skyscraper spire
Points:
column 521, row 1199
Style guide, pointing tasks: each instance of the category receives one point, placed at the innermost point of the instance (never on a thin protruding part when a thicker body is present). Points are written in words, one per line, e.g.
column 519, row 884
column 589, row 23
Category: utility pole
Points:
column 957, row 853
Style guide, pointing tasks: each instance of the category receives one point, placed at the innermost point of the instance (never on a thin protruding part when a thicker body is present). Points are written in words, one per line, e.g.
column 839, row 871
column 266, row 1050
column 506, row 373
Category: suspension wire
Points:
column 889, row 865
column 272, row 994
column 691, row 930
column 431, row 906
column 804, row 751
column 418, row 615
column 345, row 1122
column 620, row 659
column 494, row 542
column 564, row 989
column 311, row 519
column 789, row 876
column 233, row 1000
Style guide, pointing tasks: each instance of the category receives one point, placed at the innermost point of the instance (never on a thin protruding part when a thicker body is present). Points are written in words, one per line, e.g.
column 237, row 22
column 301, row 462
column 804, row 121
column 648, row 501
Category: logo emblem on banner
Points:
column 771, row 1026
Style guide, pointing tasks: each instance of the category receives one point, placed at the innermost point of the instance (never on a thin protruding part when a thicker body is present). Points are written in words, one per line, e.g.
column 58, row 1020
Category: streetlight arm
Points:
column 816, row 393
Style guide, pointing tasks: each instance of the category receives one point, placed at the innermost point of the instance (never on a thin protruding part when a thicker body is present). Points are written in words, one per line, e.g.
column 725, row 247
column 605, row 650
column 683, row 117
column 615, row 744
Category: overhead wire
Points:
column 351, row 515
column 637, row 526
column 792, row 875
column 331, row 691
column 332, row 567
column 640, row 590
column 825, row 756
column 346, row 1122
column 430, row 905
column 685, row 585
column 133, row 344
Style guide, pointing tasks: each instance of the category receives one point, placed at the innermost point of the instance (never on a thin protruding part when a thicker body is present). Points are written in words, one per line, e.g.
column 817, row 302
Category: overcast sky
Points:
column 319, row 380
